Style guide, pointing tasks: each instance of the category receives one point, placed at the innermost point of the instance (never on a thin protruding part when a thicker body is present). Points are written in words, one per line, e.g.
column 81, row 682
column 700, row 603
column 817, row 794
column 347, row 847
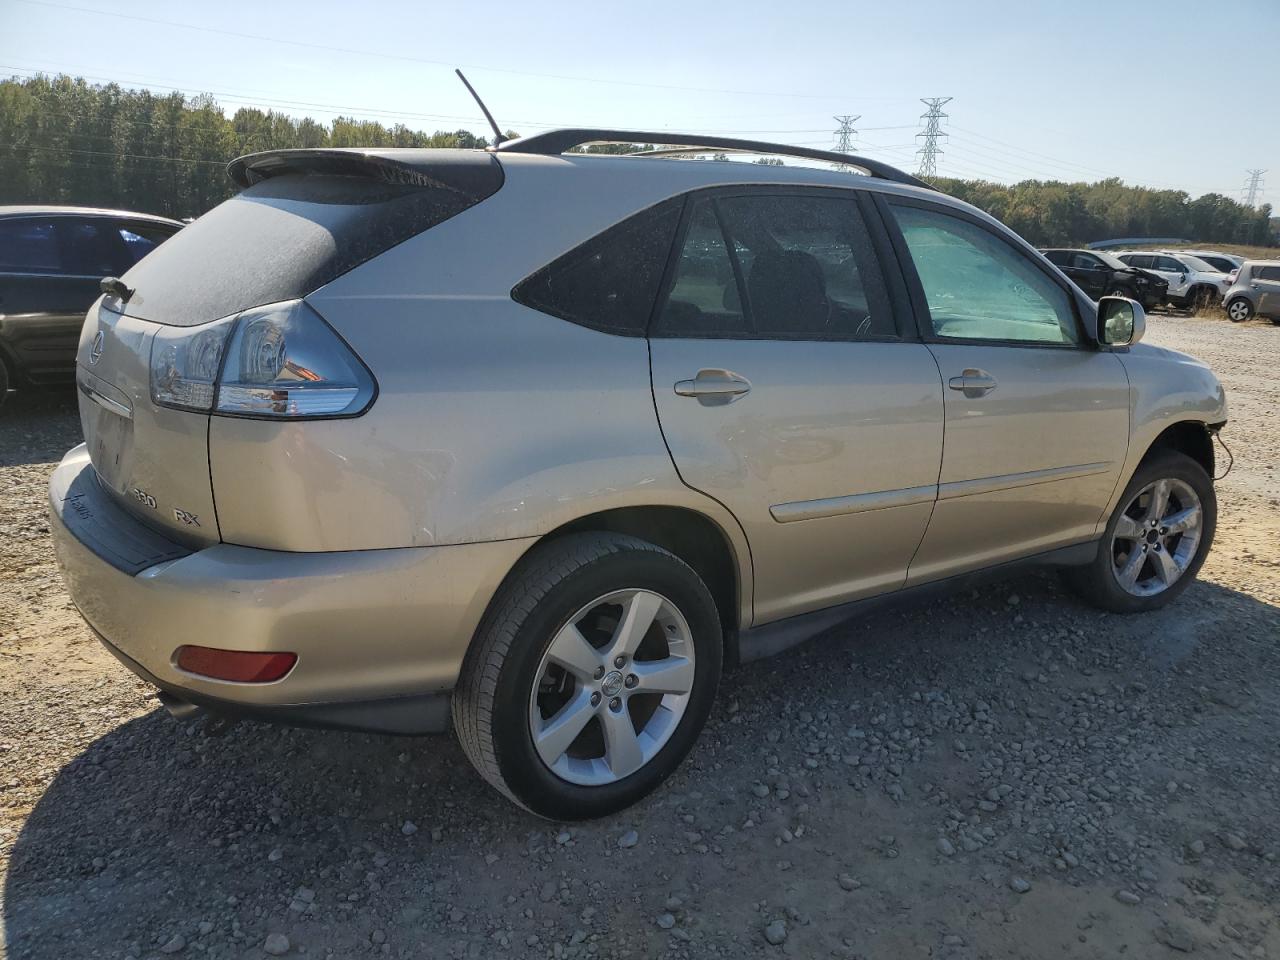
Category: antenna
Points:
column 498, row 138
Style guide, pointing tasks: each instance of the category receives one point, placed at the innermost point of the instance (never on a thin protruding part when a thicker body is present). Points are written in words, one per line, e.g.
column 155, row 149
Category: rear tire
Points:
column 1139, row 566
column 544, row 658
column 1239, row 310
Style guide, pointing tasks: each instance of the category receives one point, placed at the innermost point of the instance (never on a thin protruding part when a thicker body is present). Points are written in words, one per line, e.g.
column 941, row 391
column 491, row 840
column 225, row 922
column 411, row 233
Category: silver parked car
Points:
column 535, row 444
column 1256, row 290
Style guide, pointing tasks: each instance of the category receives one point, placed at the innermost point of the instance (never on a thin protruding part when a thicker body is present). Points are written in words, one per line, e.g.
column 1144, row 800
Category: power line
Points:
column 110, row 153
column 380, row 54
column 272, row 102
column 932, row 131
column 1253, row 187
column 844, row 137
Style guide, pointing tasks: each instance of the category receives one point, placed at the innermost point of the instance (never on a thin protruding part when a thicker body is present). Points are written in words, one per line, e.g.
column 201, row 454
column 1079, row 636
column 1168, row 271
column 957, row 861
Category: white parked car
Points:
column 1228, row 263
column 1192, row 282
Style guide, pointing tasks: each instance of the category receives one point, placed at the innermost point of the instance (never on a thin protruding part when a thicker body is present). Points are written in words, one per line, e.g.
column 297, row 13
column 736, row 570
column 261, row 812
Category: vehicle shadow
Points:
column 159, row 826
column 38, row 426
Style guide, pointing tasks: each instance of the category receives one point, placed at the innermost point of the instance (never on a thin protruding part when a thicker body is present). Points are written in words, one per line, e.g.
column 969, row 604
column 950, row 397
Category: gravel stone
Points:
column 776, row 932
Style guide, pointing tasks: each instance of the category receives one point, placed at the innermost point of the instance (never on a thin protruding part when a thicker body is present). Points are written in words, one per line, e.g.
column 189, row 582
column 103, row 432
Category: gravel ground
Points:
column 1005, row 773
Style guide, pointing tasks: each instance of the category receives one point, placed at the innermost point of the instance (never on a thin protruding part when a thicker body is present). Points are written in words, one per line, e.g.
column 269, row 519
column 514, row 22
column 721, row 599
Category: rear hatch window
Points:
column 304, row 219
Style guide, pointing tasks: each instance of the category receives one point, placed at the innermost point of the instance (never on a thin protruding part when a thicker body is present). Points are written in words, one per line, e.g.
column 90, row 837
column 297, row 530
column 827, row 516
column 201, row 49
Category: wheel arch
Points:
column 692, row 536
column 1190, row 437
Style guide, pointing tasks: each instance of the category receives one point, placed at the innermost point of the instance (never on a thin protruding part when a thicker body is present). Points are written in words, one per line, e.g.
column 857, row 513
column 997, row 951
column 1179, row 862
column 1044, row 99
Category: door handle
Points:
column 713, row 387
column 973, row 383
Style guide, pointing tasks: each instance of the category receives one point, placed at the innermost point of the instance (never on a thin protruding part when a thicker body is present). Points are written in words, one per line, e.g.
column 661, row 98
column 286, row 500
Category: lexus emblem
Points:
column 95, row 352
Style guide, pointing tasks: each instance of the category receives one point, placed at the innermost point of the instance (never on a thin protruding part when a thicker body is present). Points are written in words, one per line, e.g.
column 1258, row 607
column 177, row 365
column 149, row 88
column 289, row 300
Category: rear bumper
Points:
column 379, row 634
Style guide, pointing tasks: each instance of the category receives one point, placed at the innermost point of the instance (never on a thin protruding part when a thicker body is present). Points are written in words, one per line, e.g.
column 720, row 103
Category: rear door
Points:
column 1174, row 272
column 787, row 390
column 1266, row 281
column 47, row 282
column 1037, row 419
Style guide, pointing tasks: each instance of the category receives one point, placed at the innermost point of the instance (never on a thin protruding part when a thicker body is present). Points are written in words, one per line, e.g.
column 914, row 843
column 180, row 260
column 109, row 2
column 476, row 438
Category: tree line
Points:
column 63, row 140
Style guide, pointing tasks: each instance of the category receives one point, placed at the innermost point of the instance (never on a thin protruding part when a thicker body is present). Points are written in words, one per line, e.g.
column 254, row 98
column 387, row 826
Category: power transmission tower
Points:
column 844, row 137
column 1253, row 188
column 932, row 118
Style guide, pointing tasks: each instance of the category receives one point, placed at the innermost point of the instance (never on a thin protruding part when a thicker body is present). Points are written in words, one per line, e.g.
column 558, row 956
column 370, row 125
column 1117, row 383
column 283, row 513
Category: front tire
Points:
column 1155, row 541
column 590, row 677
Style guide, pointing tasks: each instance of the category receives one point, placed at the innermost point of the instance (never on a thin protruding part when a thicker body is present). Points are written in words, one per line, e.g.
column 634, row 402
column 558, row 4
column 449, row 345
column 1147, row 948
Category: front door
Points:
column 786, row 390
column 1037, row 418
column 1090, row 274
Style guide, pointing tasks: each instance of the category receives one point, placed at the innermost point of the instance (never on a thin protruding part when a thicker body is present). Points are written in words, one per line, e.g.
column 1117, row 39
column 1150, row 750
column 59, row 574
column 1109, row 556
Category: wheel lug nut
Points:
column 632, row 680
column 599, row 672
column 619, row 661
column 615, row 704
column 595, row 699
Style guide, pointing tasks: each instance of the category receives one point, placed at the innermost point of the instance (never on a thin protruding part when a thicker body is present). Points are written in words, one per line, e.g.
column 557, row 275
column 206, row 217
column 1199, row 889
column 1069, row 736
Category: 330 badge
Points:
column 182, row 516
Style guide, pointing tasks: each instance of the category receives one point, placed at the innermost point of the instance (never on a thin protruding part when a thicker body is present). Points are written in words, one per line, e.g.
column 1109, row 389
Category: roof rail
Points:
column 555, row 142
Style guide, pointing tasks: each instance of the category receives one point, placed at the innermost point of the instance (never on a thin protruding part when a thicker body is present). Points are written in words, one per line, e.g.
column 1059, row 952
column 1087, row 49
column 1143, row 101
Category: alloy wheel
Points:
column 1156, row 537
column 1238, row 311
column 612, row 687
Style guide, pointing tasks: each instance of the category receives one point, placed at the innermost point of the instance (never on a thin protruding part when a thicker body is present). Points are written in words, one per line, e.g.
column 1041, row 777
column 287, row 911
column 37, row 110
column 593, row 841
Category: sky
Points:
column 1176, row 95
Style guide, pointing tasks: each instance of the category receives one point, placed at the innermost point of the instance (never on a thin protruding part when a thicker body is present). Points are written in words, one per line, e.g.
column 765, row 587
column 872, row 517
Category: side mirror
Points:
column 1121, row 321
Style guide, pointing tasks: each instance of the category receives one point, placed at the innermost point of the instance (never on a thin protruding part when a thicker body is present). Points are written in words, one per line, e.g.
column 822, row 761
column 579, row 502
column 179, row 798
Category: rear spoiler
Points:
column 472, row 172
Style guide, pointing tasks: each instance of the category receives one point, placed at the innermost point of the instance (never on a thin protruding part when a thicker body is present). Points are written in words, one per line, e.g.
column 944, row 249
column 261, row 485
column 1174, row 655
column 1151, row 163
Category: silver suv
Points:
column 535, row 444
column 1256, row 290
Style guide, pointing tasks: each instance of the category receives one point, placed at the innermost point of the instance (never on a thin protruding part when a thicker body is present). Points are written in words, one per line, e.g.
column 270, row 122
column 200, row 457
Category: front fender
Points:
column 1165, row 388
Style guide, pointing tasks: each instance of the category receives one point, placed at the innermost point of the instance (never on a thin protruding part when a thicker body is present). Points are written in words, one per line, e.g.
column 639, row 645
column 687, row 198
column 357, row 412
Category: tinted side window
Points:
column 704, row 300
column 92, row 248
column 610, row 282
column 140, row 239
column 29, row 246
column 1061, row 258
column 979, row 287
column 1167, row 263
column 777, row 267
column 1267, row 273
column 1085, row 261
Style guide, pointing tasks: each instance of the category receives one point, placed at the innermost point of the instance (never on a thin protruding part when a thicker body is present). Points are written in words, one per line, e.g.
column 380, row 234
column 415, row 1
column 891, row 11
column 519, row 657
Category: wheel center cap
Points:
column 611, row 685
column 1153, row 537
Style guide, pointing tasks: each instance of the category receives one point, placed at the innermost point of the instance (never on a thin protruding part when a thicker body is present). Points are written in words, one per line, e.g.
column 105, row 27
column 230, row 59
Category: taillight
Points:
column 185, row 363
column 237, row 666
column 281, row 361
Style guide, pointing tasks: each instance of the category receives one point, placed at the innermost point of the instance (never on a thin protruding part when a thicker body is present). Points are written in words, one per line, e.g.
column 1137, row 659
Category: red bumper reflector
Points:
column 236, row 665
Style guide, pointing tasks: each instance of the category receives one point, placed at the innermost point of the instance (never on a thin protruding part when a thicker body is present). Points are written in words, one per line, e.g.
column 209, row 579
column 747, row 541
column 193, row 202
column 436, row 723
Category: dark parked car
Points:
column 1100, row 274
column 51, row 262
